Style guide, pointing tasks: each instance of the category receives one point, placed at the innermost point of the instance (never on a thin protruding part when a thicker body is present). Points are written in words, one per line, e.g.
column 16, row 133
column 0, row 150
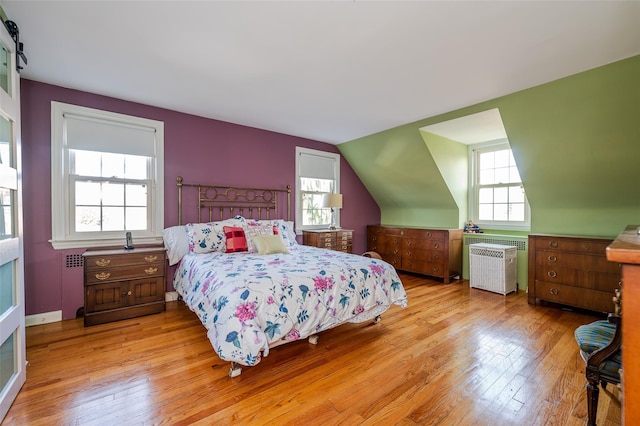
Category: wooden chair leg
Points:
column 592, row 402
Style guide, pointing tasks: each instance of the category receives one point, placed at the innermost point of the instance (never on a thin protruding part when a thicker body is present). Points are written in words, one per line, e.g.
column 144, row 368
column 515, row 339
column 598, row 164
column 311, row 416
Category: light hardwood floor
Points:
column 455, row 356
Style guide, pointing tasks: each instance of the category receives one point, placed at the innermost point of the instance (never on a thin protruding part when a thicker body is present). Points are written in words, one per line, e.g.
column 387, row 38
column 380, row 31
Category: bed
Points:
column 254, row 287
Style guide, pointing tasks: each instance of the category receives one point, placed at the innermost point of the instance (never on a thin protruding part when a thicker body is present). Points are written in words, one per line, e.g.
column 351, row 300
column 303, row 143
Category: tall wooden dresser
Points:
column 626, row 251
column 435, row 252
column 572, row 271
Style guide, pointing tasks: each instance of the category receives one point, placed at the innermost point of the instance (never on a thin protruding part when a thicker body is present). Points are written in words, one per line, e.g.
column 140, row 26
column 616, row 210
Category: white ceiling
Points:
column 330, row 71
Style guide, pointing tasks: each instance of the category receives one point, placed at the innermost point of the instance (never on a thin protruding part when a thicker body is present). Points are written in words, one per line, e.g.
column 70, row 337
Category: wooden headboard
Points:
column 221, row 202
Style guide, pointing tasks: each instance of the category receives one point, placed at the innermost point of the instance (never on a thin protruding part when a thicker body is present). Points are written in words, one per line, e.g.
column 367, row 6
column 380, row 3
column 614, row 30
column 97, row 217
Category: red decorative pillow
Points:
column 236, row 241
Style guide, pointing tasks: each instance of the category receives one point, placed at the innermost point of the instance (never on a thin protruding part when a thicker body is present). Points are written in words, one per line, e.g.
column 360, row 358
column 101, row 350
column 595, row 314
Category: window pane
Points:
column 487, row 177
column 86, row 163
column 487, row 160
column 135, row 167
column 485, row 212
column 136, row 195
column 500, row 212
column 87, row 219
column 6, row 138
column 502, row 175
column 7, row 360
column 113, row 218
column 6, row 214
column 316, row 185
column 502, row 158
column 516, row 194
column 136, row 218
column 514, row 175
column 7, row 285
column 517, row 212
column 486, row 195
column 501, row 195
column 88, row 193
column 312, row 211
column 112, row 165
column 5, row 71
column 112, row 194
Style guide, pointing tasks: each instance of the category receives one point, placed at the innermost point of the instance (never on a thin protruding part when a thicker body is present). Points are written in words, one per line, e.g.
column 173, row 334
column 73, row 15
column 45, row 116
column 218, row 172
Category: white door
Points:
column 12, row 336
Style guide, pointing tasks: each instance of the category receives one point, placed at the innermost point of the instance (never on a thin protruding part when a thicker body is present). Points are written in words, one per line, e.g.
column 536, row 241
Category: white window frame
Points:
column 63, row 198
column 474, row 152
column 300, row 151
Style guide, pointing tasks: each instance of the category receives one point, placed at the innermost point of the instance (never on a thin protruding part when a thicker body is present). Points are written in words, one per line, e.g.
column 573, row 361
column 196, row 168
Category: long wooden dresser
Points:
column 434, row 252
column 572, row 271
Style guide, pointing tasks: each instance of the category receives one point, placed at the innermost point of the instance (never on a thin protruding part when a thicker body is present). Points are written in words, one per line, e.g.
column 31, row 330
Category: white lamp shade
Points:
column 333, row 200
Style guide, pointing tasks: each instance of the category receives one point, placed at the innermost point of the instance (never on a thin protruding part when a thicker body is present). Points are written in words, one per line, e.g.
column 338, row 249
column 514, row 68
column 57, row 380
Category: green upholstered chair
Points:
column 599, row 344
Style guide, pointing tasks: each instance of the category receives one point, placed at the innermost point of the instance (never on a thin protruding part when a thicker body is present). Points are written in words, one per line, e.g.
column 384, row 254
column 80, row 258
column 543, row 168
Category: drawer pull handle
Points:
column 429, row 234
column 151, row 258
column 436, row 268
column 436, row 256
column 585, row 246
column 409, row 242
column 150, row 271
column 552, row 274
column 553, row 244
column 126, row 294
column 103, row 276
column 408, row 253
column 436, row 245
column 395, row 251
column 554, row 291
column 552, row 258
column 103, row 262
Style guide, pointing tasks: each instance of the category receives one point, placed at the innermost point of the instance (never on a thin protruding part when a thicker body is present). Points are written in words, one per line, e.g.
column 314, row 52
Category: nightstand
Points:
column 333, row 239
column 121, row 283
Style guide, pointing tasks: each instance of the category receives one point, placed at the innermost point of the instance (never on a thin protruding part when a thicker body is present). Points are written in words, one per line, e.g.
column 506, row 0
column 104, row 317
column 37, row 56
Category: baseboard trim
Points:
column 44, row 318
column 55, row 316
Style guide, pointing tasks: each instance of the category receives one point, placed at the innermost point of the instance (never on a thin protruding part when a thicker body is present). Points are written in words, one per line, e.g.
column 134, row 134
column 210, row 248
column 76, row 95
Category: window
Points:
column 497, row 198
column 317, row 174
column 107, row 177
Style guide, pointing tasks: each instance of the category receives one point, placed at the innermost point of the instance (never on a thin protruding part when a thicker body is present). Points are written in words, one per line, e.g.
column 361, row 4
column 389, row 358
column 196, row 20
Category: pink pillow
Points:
column 236, row 241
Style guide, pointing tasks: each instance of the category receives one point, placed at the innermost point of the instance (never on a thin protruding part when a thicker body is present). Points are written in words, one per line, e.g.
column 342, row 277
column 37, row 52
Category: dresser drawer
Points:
column 572, row 245
column 425, row 244
column 560, row 293
column 114, row 261
column 590, row 262
column 129, row 272
column 425, row 234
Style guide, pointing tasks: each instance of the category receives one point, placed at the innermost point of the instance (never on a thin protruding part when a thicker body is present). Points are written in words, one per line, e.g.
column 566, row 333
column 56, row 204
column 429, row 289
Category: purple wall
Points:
column 199, row 149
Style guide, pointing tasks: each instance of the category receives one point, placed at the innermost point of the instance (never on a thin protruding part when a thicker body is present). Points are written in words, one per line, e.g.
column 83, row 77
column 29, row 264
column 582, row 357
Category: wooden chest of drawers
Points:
column 339, row 239
column 434, row 252
column 572, row 271
column 121, row 284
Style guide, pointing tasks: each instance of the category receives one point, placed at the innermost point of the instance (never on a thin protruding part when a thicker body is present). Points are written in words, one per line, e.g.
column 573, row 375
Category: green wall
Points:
column 576, row 142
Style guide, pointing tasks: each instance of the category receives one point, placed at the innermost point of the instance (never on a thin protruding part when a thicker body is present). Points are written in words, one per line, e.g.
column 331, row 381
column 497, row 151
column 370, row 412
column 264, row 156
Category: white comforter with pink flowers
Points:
column 249, row 302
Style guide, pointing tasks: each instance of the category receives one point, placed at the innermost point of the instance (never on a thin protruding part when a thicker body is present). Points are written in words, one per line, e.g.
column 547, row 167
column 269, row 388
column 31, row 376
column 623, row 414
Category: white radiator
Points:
column 493, row 267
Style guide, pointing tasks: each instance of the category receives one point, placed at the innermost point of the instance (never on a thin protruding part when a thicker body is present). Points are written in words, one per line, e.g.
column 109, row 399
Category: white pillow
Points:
column 176, row 242
column 208, row 237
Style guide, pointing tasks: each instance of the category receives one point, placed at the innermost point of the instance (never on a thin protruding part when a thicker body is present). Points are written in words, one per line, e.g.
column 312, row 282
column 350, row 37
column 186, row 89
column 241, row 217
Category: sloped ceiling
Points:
column 331, row 71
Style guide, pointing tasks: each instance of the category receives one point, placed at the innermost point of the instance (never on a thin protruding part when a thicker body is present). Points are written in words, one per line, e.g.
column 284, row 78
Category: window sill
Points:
column 113, row 242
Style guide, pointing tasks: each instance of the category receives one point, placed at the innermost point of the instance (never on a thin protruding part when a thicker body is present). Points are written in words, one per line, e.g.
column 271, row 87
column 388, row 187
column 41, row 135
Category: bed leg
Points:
column 377, row 319
column 313, row 339
column 235, row 370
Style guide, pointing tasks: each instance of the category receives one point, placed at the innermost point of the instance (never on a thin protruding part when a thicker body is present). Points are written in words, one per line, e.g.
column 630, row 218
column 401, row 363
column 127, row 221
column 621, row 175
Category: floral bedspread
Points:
column 248, row 302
